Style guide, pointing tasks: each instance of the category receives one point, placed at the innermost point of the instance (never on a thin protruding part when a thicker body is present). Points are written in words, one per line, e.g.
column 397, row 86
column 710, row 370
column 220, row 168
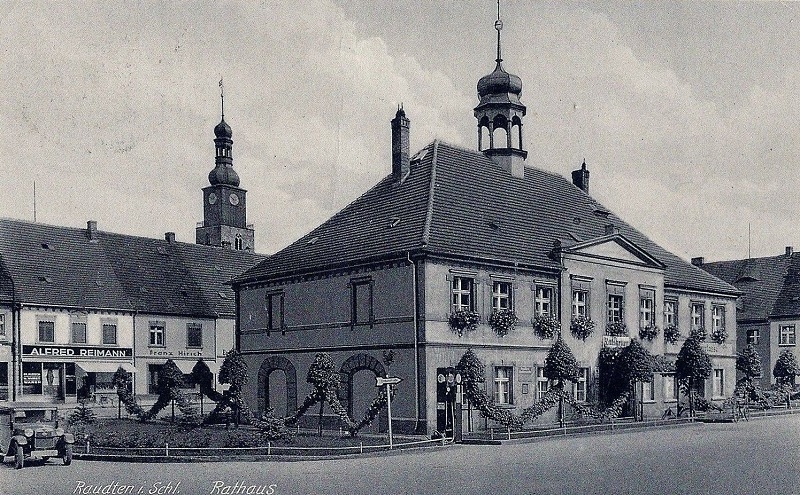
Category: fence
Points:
column 567, row 429
column 268, row 450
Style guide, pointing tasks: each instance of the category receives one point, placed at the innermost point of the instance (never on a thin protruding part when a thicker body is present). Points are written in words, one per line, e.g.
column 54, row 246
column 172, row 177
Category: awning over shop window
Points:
column 99, row 367
column 185, row 366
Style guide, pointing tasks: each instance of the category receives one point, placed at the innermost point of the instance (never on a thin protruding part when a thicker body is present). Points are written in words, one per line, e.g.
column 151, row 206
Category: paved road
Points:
column 762, row 456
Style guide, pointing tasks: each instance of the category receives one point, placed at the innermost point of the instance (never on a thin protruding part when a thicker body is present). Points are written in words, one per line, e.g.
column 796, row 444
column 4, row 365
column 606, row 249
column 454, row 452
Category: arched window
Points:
column 237, row 243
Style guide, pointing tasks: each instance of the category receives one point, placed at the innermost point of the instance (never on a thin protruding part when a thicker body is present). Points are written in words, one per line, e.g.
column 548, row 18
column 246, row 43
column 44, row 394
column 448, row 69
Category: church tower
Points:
column 224, row 202
column 500, row 112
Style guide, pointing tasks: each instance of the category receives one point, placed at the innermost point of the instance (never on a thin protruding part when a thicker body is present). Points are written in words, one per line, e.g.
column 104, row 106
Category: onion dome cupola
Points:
column 223, row 173
column 500, row 113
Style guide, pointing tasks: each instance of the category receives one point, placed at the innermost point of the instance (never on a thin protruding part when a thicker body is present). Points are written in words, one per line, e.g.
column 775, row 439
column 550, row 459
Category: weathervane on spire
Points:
column 498, row 25
column 222, row 95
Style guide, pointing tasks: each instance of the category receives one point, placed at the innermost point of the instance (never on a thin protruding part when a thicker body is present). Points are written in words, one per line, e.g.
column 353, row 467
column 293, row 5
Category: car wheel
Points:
column 19, row 457
column 67, row 455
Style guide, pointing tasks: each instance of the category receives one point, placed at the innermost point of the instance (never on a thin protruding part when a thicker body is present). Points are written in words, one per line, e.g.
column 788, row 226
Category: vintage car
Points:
column 31, row 431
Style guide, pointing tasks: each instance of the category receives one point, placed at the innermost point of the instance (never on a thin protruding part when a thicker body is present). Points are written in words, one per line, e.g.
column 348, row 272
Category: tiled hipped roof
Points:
column 459, row 203
column 62, row 267
column 771, row 285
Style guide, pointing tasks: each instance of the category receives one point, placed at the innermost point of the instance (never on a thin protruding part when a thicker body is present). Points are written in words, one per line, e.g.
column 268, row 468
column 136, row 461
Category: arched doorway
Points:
column 357, row 376
column 277, row 386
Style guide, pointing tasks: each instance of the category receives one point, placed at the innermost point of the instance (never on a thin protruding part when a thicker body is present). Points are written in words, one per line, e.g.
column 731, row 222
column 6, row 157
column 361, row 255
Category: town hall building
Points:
column 470, row 230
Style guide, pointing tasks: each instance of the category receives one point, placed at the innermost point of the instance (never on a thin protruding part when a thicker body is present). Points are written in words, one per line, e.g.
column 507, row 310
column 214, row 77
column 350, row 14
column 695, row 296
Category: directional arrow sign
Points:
column 389, row 380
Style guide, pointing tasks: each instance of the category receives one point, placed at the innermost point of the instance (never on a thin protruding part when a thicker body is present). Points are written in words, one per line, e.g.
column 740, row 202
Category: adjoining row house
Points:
column 76, row 304
column 768, row 313
column 454, row 229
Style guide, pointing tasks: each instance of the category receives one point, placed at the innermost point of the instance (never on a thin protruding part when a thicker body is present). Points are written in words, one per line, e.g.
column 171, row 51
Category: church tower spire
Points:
column 224, row 202
column 500, row 113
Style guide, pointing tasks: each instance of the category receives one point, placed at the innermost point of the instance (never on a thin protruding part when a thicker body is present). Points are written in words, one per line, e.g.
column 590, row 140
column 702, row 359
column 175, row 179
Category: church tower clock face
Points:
column 234, row 199
column 212, row 198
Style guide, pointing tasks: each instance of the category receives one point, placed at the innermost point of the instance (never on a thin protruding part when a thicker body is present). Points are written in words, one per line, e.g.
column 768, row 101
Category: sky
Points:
column 686, row 113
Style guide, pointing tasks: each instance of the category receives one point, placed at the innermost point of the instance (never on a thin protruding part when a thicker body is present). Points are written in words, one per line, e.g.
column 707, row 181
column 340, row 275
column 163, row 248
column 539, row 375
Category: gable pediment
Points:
column 615, row 247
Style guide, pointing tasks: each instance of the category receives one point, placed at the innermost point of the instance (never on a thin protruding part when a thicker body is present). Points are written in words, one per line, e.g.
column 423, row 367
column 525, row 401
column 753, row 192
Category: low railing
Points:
column 572, row 429
column 268, row 450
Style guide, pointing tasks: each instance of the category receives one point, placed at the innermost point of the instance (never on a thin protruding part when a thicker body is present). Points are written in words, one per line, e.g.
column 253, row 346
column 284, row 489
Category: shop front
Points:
column 66, row 373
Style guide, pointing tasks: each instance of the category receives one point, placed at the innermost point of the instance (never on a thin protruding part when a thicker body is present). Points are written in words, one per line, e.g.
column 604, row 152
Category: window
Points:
column 787, row 335
column 501, row 295
column 2, row 324
column 648, row 394
column 157, row 330
column 194, row 335
column 32, row 378
column 615, row 302
column 670, row 387
column 502, row 385
column 719, row 383
column 670, row 313
column 646, row 308
column 544, row 301
column 275, row 311
column 461, row 294
column 237, row 242
column 542, row 383
column 153, row 370
column 361, row 303
column 47, row 331
column 753, row 334
column 579, row 387
column 110, row 333
column 78, row 332
column 717, row 318
column 580, row 300
column 698, row 315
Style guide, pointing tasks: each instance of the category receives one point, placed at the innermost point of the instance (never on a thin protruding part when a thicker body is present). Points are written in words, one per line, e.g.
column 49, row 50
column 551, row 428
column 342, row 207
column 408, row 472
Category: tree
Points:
column 202, row 376
column 170, row 381
column 635, row 365
column 322, row 375
column 234, row 372
column 786, row 368
column 692, row 366
column 560, row 365
column 748, row 363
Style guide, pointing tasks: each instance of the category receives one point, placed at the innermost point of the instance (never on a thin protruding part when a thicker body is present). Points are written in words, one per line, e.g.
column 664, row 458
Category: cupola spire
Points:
column 500, row 112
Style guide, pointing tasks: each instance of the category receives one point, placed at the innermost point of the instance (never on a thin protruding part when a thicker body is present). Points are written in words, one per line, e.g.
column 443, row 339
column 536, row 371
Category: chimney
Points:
column 401, row 165
column 789, row 250
column 698, row 261
column 91, row 230
column 580, row 178
column 169, row 237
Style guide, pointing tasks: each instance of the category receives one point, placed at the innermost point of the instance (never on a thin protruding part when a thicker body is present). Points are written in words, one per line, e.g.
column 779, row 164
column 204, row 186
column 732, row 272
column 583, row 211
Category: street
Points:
column 760, row 456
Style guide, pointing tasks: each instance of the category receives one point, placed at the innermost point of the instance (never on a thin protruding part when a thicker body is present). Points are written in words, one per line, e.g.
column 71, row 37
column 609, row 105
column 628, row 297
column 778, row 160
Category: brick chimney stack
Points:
column 169, row 237
column 91, row 230
column 580, row 178
column 698, row 261
column 401, row 126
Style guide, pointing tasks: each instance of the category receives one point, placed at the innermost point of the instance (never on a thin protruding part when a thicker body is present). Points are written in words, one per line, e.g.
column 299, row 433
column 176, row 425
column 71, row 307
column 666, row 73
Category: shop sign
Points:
column 71, row 351
column 181, row 353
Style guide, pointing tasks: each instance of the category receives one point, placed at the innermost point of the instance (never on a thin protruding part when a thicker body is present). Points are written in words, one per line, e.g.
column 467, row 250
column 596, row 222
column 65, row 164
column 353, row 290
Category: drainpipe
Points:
column 416, row 343
column 15, row 354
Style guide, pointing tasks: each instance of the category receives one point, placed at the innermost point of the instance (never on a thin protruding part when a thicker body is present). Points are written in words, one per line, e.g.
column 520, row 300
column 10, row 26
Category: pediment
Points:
column 615, row 248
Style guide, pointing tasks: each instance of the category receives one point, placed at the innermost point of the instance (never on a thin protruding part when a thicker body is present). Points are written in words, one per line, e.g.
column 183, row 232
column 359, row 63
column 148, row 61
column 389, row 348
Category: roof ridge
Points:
column 759, row 258
column 426, row 230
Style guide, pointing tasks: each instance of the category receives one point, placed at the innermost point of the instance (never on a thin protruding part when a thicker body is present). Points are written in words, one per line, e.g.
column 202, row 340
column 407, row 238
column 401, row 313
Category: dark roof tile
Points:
column 458, row 202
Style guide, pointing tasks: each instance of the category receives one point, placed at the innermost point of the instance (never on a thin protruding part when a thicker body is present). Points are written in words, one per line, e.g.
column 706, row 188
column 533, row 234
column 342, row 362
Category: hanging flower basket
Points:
column 698, row 333
column 719, row 336
column 463, row 321
column 649, row 332
column 546, row 326
column 616, row 329
column 503, row 321
column 671, row 334
column 581, row 327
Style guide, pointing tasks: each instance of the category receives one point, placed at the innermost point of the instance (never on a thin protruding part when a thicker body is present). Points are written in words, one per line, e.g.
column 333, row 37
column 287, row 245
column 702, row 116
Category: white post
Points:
column 389, row 410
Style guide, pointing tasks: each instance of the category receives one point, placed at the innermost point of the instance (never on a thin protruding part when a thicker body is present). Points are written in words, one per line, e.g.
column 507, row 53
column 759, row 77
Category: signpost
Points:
column 388, row 381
